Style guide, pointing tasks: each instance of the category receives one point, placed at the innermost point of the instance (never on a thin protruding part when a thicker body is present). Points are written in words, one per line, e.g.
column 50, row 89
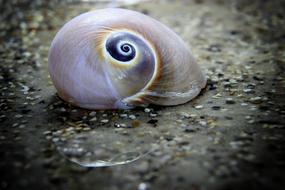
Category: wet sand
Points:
column 230, row 137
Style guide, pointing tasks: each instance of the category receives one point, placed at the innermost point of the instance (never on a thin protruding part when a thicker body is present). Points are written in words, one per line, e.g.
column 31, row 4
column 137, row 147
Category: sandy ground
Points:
column 230, row 137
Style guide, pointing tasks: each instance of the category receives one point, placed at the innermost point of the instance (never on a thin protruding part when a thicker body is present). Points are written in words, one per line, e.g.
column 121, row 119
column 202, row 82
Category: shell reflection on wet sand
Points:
column 108, row 146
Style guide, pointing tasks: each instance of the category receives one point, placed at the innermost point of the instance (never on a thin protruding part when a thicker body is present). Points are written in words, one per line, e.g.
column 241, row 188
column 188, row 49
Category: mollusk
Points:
column 116, row 59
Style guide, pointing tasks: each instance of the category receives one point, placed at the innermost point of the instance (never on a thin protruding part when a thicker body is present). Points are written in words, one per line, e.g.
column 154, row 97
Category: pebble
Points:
column 92, row 114
column 86, row 129
column 217, row 96
column 256, row 100
column 152, row 121
column 18, row 116
column 93, row 119
column 22, row 126
column 104, row 121
column 230, row 101
column 198, row 107
column 189, row 130
column 216, row 107
column 55, row 139
column 215, row 48
column 168, row 137
column 73, row 151
column 62, row 109
column 185, row 115
column 203, row 123
column 123, row 115
column 143, row 186
column 132, row 116
column 152, row 114
column 248, row 91
column 15, row 124
column 248, row 117
column 147, row 110
column 227, row 85
column 121, row 125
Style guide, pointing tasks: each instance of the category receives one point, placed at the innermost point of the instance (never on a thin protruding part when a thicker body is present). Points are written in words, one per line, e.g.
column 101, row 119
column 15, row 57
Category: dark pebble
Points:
column 152, row 121
column 216, row 107
column 215, row 48
column 168, row 137
column 230, row 101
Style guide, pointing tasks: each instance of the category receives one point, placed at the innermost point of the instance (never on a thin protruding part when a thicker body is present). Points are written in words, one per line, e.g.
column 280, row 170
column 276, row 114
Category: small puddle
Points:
column 108, row 146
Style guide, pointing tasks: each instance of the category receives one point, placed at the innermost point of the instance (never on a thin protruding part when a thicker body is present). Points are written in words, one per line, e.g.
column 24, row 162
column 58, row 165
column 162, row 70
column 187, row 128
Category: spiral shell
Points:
column 117, row 58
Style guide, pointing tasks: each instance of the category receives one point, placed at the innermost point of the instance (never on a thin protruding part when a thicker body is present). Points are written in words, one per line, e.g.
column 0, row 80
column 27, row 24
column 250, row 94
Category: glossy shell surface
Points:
column 117, row 59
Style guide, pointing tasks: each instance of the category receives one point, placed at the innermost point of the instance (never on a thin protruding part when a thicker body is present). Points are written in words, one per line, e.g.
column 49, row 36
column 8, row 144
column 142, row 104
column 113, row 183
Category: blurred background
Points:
column 230, row 137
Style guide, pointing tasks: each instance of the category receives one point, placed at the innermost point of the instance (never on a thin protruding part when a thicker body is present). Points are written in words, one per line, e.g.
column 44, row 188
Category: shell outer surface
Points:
column 117, row 59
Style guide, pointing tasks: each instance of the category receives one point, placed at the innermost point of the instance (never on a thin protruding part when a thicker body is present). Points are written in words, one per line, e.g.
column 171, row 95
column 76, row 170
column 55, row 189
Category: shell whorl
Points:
column 130, row 73
column 115, row 58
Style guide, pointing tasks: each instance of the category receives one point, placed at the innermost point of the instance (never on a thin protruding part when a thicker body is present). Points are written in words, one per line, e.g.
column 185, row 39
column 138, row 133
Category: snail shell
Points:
column 117, row 58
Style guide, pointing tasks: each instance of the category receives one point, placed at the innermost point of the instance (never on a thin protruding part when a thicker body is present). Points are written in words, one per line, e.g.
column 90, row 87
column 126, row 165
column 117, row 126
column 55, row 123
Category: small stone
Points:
column 251, row 121
column 55, row 139
column 189, row 130
column 123, row 115
column 143, row 186
column 198, row 107
column 215, row 48
column 117, row 125
column 229, row 118
column 22, row 126
column 203, row 123
column 93, row 119
column 256, row 100
column 248, row 117
column 62, row 109
column 69, row 129
column 185, row 115
column 73, row 151
column 248, row 91
column 104, row 121
column 217, row 96
column 92, row 114
column 121, row 125
column 152, row 121
column 250, row 86
column 15, row 124
column 168, row 137
column 152, row 114
column 86, row 129
column 125, row 126
column 147, row 110
column 227, row 85
column 132, row 116
column 212, row 87
column 216, row 107
column 230, row 101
